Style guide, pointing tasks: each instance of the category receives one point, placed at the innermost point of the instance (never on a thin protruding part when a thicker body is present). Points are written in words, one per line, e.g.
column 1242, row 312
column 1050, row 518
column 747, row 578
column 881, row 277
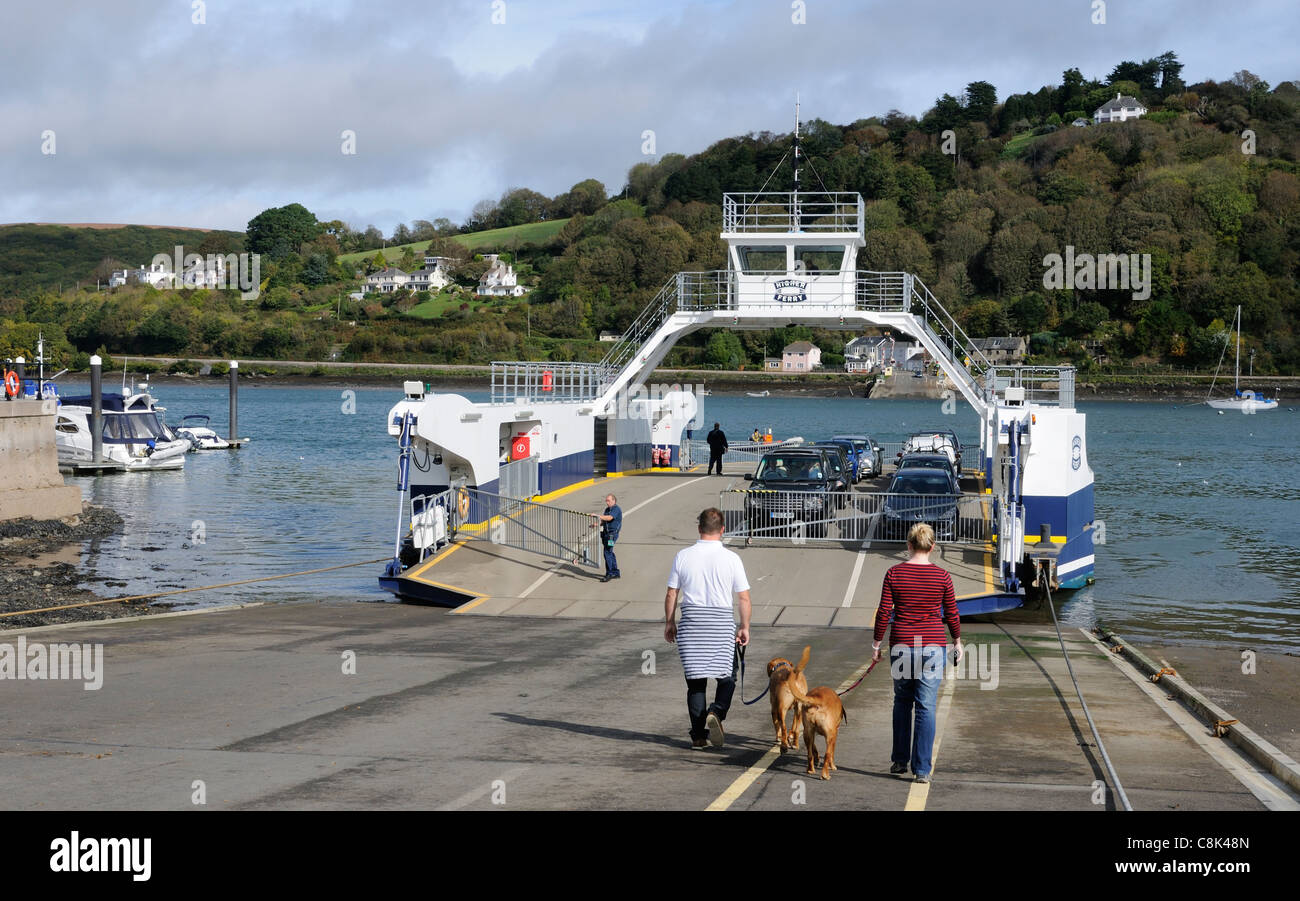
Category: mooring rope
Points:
column 163, row 594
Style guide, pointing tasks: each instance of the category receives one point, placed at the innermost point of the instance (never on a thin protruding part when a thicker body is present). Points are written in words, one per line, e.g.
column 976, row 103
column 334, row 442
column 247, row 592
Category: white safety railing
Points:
column 520, row 478
column 535, row 528
column 787, row 212
column 1048, row 385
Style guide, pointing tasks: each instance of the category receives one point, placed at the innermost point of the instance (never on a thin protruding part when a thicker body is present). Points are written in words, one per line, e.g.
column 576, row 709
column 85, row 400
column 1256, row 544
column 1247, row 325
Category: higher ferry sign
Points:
column 789, row 290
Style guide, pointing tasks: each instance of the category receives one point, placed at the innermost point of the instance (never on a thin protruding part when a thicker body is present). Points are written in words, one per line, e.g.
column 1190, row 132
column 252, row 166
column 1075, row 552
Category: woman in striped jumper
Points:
column 919, row 597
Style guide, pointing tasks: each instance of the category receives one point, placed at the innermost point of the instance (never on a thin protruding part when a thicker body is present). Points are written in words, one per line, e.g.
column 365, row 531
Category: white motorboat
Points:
column 133, row 436
column 1243, row 401
column 195, row 429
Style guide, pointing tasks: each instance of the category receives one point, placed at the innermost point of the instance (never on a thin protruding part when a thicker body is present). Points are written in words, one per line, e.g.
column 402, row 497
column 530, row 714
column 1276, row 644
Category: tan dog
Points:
column 822, row 714
column 783, row 679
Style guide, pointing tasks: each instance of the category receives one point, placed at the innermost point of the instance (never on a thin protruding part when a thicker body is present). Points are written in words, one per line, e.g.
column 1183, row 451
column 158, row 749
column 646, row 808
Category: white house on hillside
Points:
column 158, row 274
column 386, row 280
column 209, row 272
column 499, row 280
column 1120, row 109
column 434, row 276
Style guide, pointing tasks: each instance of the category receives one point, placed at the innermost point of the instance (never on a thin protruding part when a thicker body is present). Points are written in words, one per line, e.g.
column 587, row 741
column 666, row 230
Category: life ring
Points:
column 11, row 383
column 462, row 503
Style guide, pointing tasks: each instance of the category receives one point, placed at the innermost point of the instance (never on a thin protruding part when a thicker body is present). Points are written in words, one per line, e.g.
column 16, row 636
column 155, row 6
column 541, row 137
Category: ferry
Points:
column 551, row 425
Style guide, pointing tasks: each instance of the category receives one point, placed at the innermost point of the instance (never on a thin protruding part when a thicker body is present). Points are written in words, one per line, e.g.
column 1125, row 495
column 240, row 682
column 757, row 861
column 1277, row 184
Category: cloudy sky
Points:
column 159, row 120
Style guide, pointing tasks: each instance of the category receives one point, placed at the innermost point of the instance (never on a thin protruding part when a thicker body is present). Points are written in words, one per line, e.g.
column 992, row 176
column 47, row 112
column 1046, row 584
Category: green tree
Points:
column 280, row 232
column 724, row 349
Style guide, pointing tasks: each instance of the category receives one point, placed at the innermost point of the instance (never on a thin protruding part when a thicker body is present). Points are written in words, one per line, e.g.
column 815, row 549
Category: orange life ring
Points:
column 462, row 503
column 11, row 383
column 548, row 380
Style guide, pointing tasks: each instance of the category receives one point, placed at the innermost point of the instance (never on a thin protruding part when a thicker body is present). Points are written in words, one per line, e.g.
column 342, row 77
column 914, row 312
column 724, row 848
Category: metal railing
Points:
column 697, row 451
column 721, row 290
column 520, row 478
column 545, row 382
column 859, row 516
column 1042, row 384
column 534, row 528
column 783, row 211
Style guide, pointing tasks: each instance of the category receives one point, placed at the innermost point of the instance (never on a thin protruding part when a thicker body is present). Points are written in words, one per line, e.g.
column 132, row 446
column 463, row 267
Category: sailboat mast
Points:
column 1236, row 377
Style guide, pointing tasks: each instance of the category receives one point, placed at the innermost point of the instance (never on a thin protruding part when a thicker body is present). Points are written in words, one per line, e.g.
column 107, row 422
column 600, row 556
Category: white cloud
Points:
column 162, row 121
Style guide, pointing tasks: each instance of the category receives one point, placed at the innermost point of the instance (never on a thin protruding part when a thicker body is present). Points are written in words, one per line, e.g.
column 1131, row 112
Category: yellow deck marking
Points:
column 919, row 793
column 747, row 778
column 465, row 608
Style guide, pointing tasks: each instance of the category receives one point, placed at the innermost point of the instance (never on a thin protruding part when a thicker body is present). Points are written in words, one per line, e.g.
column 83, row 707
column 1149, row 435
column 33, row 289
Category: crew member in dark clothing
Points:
column 717, row 447
column 611, row 523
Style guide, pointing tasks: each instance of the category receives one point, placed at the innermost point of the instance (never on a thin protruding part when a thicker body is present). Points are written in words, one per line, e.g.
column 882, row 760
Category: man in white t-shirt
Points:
column 704, row 577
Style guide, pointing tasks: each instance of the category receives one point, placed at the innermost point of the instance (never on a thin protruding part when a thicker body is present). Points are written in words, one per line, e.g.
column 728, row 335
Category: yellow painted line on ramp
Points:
column 747, row 778
column 919, row 793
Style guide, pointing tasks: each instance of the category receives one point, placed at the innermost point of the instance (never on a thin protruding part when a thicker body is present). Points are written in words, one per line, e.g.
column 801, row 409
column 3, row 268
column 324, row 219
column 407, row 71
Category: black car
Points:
column 920, row 494
column 841, row 468
column 927, row 461
column 790, row 486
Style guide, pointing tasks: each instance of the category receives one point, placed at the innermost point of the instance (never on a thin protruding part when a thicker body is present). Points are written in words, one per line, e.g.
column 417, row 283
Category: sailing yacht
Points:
column 1245, row 401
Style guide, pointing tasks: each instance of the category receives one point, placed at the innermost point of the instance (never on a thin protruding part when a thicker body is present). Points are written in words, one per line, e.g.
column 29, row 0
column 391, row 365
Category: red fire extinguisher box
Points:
column 520, row 447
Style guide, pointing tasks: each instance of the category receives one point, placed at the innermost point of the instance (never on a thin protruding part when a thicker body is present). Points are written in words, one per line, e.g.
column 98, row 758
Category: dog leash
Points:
column 742, row 681
column 860, row 678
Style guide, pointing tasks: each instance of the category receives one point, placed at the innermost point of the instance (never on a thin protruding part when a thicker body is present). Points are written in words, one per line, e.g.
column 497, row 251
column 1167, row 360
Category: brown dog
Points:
column 822, row 714
column 783, row 679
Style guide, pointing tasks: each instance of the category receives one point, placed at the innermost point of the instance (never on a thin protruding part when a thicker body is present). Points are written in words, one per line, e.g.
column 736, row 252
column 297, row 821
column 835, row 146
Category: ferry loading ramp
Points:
column 559, row 692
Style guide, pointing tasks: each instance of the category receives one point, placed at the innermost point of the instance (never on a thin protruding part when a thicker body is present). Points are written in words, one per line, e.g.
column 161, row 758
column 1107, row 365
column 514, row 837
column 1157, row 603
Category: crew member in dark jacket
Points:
column 611, row 523
column 717, row 447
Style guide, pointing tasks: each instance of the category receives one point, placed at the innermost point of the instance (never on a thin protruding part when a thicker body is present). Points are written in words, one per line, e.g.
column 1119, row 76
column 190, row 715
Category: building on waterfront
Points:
column 772, row 364
column 1121, row 109
column 801, row 356
column 1004, row 350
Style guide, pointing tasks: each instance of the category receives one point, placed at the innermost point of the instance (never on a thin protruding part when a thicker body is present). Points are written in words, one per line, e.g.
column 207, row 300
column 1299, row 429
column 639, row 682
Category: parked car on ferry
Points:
column 920, row 494
column 871, row 463
column 851, row 453
column 935, row 442
column 790, row 486
column 927, row 461
column 838, row 457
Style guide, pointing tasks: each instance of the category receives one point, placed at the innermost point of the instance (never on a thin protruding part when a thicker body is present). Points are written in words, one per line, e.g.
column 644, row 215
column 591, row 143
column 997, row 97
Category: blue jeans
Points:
column 611, row 563
column 917, row 673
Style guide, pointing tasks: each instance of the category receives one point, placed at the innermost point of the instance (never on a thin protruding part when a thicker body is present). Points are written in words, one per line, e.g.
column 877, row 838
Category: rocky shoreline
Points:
column 36, row 572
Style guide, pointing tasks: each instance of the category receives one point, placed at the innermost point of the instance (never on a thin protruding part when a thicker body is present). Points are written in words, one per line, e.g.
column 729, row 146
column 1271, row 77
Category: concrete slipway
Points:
column 537, row 695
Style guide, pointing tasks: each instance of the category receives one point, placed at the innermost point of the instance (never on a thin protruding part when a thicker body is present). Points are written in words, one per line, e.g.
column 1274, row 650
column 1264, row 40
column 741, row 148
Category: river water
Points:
column 1202, row 511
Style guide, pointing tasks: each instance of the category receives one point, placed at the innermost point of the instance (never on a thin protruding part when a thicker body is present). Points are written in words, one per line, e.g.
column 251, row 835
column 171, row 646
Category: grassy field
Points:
column 490, row 240
column 1017, row 145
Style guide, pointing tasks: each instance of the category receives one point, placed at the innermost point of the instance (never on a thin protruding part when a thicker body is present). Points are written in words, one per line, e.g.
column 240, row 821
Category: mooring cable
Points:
column 163, row 594
column 1110, row 767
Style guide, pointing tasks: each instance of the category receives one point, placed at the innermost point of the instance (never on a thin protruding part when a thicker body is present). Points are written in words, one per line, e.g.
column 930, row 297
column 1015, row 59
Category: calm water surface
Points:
column 1202, row 512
